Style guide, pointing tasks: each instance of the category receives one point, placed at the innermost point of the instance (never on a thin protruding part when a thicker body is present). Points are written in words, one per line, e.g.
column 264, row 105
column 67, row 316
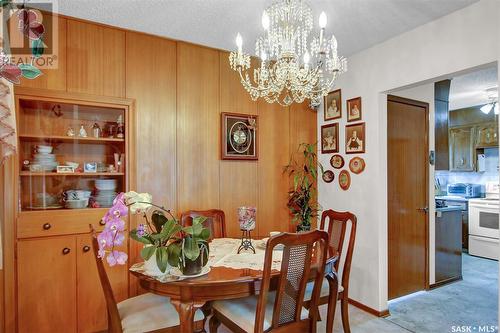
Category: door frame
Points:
column 407, row 101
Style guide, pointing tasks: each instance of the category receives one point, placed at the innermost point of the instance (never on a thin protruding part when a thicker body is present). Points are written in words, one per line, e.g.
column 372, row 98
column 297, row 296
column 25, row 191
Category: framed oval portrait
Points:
column 357, row 165
column 344, row 180
column 328, row 176
column 337, row 161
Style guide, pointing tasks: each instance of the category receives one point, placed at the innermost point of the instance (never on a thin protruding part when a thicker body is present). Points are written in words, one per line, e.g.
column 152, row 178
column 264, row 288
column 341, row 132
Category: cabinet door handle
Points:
column 46, row 226
column 66, row 251
column 86, row 248
column 101, row 222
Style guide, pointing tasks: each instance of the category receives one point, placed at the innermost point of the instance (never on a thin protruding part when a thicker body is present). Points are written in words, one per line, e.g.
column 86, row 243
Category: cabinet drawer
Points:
column 63, row 222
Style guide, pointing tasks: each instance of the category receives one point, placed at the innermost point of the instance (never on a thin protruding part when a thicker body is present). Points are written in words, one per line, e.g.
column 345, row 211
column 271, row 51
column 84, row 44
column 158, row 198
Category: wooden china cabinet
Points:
column 55, row 279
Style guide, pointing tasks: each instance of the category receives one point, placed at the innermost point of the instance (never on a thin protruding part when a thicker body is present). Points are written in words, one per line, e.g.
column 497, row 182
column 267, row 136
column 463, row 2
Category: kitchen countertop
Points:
column 448, row 208
column 452, row 198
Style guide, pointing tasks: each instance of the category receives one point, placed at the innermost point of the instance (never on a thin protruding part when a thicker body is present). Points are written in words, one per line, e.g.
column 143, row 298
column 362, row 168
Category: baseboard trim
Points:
column 442, row 283
column 366, row 308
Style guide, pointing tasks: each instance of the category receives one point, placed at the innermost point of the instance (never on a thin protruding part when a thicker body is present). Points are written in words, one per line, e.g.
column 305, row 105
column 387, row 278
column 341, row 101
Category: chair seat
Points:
column 149, row 312
column 325, row 290
column 242, row 311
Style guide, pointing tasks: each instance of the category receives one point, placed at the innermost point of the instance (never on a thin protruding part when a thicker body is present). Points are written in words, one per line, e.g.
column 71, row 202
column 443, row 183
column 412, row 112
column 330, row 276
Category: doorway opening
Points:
column 455, row 284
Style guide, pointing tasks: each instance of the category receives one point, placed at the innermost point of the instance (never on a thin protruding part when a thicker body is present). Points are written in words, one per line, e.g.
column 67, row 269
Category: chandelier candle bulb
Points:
column 265, row 20
column 239, row 43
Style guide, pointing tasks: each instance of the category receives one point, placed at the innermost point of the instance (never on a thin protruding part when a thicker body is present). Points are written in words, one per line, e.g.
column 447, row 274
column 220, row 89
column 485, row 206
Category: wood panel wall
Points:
column 180, row 90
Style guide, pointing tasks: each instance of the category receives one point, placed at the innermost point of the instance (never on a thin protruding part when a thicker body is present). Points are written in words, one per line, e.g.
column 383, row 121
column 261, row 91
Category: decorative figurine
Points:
column 246, row 218
column 82, row 133
column 96, row 130
column 70, row 131
column 120, row 130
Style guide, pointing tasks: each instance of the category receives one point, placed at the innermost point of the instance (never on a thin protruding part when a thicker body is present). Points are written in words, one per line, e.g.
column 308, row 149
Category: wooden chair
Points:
column 282, row 310
column 143, row 313
column 337, row 224
column 216, row 221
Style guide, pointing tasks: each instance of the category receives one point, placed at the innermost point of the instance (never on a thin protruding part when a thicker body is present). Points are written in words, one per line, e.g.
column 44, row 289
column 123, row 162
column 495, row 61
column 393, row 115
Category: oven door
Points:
column 483, row 220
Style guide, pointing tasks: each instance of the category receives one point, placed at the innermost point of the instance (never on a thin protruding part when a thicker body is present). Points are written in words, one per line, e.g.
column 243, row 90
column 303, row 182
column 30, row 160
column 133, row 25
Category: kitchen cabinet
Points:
column 47, row 284
column 61, row 274
column 462, row 148
column 448, row 245
column 487, row 135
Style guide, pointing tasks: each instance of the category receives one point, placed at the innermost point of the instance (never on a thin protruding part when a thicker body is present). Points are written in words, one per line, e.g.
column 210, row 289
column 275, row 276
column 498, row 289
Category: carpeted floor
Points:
column 472, row 302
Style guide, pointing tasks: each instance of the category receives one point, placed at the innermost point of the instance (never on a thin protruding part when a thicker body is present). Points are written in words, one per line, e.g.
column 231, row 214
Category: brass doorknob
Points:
column 66, row 251
column 86, row 248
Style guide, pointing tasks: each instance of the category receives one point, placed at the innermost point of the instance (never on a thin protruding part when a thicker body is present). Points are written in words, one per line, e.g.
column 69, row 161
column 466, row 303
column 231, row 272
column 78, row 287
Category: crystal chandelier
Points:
column 294, row 64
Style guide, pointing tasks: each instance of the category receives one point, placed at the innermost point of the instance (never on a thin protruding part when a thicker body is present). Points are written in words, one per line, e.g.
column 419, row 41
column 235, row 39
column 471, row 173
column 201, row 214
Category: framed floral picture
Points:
column 239, row 136
column 354, row 109
column 330, row 138
column 333, row 105
column 355, row 138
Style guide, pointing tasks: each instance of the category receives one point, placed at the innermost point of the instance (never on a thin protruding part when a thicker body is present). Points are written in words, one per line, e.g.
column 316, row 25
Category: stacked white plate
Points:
column 106, row 192
column 46, row 160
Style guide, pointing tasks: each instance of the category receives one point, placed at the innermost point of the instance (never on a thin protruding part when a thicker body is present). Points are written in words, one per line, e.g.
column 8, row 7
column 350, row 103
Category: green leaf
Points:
column 205, row 234
column 37, row 47
column 4, row 3
column 174, row 254
column 191, row 249
column 158, row 220
column 147, row 252
column 144, row 240
column 162, row 258
column 30, row 71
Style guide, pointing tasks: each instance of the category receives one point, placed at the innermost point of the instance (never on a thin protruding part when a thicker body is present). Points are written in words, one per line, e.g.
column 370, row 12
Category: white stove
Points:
column 484, row 224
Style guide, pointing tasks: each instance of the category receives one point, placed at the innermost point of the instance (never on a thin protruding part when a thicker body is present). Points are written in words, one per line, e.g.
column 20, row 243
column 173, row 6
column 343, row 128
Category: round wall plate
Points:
column 337, row 161
column 344, row 180
column 357, row 165
column 328, row 176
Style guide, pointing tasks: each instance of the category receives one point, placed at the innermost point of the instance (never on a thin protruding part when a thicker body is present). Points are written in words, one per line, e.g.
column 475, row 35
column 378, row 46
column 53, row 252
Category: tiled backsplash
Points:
column 490, row 175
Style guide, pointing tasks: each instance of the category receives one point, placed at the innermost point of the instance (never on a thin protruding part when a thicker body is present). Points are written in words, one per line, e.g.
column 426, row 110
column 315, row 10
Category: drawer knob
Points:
column 101, row 222
column 46, row 226
column 86, row 248
column 66, row 251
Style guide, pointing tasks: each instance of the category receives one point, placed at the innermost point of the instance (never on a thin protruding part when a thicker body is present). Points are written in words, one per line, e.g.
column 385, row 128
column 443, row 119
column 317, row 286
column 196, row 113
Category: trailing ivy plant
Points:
column 302, row 197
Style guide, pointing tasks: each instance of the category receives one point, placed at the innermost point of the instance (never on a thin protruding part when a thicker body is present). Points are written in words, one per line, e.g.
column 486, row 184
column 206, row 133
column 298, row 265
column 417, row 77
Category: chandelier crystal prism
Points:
column 295, row 65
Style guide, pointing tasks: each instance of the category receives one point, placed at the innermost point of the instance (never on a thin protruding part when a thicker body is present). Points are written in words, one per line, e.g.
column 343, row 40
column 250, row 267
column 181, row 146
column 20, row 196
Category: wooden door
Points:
column 462, row 149
column 407, row 169
column 92, row 315
column 46, row 283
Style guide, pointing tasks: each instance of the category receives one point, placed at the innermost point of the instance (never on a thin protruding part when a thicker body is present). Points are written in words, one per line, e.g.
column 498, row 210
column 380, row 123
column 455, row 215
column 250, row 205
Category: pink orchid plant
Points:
column 162, row 234
column 113, row 234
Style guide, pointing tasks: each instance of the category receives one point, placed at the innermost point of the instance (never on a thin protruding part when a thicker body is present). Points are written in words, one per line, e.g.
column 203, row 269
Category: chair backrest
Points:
column 216, row 221
column 337, row 226
column 300, row 251
column 114, row 320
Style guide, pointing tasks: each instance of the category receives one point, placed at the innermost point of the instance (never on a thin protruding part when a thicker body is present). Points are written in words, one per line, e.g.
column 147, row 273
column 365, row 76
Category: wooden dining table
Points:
column 189, row 295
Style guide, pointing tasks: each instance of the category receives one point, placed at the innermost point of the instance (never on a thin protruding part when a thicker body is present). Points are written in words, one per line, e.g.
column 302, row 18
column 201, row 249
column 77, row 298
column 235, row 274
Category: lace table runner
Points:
column 223, row 253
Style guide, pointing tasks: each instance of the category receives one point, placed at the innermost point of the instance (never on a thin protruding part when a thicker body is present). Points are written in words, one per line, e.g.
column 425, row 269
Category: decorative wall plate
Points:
column 337, row 161
column 328, row 176
column 357, row 165
column 344, row 180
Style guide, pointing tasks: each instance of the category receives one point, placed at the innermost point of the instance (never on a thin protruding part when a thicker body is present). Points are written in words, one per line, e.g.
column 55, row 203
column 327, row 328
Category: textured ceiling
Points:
column 357, row 24
column 470, row 89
